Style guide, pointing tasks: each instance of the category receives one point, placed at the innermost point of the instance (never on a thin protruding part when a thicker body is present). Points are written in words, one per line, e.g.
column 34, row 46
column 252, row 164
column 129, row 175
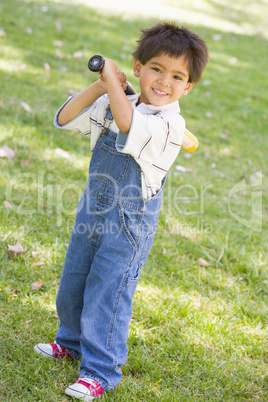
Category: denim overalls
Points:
column 111, row 240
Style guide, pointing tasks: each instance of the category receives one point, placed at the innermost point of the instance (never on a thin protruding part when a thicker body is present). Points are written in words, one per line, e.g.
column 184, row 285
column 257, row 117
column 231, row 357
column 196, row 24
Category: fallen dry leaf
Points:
column 183, row 169
column 224, row 135
column 62, row 153
column 47, row 67
column 25, row 163
column 38, row 284
column 217, row 37
column 14, row 292
column 6, row 152
column 58, row 26
column 7, row 204
column 38, row 264
column 72, row 91
column 187, row 155
column 58, row 54
column 233, row 60
column 226, row 151
column 259, row 174
column 15, row 250
column 26, row 107
column 63, row 69
column 78, row 55
column 58, row 43
column 203, row 262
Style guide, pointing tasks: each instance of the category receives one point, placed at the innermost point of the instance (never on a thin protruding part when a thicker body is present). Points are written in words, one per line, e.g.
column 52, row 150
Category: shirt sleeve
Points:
column 153, row 138
column 80, row 123
column 93, row 115
column 90, row 121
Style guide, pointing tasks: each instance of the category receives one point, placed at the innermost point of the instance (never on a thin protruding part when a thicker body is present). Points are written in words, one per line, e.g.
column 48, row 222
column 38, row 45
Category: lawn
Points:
column 199, row 325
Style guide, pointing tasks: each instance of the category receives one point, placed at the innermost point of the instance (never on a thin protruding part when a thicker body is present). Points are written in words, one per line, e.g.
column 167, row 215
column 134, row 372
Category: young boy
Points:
column 134, row 139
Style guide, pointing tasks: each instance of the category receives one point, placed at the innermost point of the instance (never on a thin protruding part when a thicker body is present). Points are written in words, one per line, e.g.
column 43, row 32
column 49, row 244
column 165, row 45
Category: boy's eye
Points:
column 157, row 69
column 177, row 77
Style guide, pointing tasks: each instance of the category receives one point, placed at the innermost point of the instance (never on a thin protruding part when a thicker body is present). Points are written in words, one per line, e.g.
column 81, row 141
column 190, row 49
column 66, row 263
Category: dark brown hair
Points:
column 168, row 38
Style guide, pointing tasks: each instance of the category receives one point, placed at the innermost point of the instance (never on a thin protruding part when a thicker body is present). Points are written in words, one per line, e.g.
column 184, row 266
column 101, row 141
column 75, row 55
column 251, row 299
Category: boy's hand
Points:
column 109, row 69
column 110, row 72
column 123, row 79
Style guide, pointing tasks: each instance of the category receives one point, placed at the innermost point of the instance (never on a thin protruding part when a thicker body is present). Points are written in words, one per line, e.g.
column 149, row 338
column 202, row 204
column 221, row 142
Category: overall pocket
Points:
column 111, row 165
column 147, row 247
column 135, row 272
column 130, row 223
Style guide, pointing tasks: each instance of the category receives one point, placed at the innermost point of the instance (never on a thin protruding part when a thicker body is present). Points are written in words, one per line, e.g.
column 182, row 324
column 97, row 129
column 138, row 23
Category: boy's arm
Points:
column 122, row 110
column 81, row 101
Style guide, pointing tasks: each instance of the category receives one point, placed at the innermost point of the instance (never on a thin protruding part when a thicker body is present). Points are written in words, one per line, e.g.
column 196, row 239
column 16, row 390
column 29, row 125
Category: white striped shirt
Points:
column 154, row 138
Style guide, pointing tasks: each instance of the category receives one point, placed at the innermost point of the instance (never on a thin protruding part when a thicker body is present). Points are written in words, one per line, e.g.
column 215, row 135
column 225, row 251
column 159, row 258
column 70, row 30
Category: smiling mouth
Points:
column 159, row 93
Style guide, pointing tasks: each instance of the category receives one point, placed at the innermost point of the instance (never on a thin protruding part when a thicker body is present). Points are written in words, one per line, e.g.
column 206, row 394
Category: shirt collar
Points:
column 150, row 109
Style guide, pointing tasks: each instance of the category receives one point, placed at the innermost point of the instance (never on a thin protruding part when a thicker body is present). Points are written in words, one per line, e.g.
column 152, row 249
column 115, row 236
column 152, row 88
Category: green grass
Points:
column 198, row 333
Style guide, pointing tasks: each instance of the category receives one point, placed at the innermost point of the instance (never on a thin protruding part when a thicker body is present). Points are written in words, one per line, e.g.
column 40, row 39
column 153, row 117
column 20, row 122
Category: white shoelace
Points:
column 90, row 381
column 58, row 346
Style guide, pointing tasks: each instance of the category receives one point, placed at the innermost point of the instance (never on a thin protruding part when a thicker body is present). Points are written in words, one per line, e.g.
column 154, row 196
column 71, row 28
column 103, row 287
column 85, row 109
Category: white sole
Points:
column 42, row 353
column 79, row 395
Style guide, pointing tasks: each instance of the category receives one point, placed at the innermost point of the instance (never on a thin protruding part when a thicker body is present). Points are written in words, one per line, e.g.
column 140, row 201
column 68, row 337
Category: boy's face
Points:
column 163, row 79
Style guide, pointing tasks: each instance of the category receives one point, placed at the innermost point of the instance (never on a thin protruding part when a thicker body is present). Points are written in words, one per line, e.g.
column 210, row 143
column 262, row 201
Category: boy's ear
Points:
column 137, row 67
column 188, row 87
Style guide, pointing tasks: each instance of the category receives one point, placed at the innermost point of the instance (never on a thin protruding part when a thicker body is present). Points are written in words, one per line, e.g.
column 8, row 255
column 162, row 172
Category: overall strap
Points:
column 108, row 119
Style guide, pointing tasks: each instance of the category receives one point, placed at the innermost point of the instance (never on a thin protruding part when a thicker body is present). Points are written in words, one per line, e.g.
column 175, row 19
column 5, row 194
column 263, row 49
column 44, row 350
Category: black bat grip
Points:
column 96, row 63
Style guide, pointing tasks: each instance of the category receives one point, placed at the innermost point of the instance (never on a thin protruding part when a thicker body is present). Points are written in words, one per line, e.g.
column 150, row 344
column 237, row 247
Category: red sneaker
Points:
column 52, row 350
column 85, row 388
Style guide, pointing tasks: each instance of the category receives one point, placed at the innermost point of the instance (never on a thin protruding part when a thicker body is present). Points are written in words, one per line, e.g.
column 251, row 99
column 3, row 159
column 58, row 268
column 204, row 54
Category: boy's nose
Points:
column 164, row 80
